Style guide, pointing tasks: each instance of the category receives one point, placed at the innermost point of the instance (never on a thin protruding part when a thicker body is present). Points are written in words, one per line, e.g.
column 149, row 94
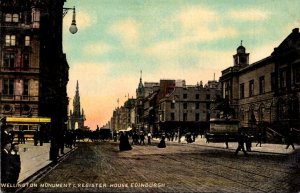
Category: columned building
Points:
column 268, row 90
column 77, row 117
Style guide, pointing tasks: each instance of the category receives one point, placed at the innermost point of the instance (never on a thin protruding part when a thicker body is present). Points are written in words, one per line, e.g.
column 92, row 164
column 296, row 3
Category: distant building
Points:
column 268, row 90
column 77, row 117
column 173, row 105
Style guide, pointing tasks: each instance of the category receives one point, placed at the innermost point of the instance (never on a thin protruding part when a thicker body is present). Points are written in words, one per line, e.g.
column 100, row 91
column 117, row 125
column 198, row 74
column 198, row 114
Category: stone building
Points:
column 33, row 68
column 268, row 90
column 77, row 117
column 171, row 105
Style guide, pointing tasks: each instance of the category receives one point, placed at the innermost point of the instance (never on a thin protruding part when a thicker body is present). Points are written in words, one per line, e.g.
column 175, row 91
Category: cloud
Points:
column 249, row 15
column 193, row 25
column 96, row 48
column 127, row 30
column 190, row 17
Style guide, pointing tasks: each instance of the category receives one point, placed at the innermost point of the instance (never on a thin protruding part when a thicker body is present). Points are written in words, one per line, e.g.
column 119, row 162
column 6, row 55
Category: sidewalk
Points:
column 265, row 147
column 34, row 158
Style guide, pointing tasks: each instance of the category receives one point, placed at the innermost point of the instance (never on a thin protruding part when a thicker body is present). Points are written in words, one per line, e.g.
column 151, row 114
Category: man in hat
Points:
column 5, row 162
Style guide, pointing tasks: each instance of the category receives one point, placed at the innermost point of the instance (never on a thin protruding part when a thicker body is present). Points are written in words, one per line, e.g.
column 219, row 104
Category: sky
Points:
column 165, row 39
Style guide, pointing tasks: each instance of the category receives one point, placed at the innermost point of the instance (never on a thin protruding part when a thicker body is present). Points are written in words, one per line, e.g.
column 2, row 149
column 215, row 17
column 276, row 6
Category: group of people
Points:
column 247, row 140
column 137, row 139
column 10, row 157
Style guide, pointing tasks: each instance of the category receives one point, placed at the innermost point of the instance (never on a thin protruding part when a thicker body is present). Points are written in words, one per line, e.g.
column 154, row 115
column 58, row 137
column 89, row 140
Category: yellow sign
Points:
column 28, row 120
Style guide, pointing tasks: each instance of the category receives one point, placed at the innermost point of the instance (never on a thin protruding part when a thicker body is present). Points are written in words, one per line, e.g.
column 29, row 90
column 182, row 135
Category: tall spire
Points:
column 76, row 101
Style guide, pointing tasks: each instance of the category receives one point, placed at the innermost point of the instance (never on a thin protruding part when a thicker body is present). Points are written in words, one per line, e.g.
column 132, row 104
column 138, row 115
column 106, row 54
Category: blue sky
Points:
column 166, row 39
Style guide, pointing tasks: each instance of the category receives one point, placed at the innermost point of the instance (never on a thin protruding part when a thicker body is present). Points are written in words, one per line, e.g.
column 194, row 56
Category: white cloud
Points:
column 96, row 48
column 127, row 30
column 190, row 17
column 249, row 15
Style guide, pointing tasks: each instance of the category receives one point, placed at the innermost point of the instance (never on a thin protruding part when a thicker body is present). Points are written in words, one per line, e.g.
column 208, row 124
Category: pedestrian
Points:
column 124, row 142
column 15, row 162
column 226, row 140
column 35, row 137
column 290, row 139
column 6, row 170
column 241, row 141
column 6, row 135
column 149, row 138
column 259, row 139
column 162, row 143
column 248, row 142
column 142, row 138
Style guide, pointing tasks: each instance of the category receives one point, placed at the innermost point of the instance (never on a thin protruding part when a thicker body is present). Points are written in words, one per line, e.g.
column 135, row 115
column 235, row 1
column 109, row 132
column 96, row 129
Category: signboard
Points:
column 28, row 120
column 224, row 126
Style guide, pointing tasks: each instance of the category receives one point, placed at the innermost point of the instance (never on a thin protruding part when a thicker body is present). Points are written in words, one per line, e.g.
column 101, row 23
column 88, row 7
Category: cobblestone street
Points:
column 101, row 167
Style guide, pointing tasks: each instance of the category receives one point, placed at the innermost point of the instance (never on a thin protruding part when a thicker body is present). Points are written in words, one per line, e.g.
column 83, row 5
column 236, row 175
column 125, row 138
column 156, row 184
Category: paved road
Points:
column 100, row 167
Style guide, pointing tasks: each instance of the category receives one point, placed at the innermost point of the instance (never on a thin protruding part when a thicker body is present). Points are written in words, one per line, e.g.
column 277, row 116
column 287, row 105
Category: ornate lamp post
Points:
column 73, row 28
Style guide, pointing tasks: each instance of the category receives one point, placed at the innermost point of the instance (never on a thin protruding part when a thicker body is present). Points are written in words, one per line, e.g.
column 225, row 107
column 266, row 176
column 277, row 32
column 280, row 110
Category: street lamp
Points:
column 174, row 101
column 73, row 28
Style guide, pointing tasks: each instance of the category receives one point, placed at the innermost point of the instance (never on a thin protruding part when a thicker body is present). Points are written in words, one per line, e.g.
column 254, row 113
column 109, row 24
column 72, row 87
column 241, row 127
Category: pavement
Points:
column 35, row 158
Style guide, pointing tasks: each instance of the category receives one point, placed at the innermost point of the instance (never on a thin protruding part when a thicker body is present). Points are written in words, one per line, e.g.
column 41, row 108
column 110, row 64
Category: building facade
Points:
column 268, row 90
column 33, row 69
column 186, row 108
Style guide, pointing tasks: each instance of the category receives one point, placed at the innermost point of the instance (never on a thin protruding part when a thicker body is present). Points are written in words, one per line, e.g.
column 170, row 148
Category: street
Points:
column 101, row 167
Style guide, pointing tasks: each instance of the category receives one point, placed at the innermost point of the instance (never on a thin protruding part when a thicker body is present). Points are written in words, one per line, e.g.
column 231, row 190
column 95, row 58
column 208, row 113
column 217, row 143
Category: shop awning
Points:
column 128, row 129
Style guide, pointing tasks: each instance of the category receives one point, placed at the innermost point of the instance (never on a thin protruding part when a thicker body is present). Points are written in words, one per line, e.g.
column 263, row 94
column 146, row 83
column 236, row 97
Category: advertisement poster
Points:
column 117, row 95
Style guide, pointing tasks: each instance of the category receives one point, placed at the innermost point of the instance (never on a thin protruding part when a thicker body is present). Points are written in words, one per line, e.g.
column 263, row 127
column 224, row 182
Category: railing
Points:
column 19, row 69
column 4, row 97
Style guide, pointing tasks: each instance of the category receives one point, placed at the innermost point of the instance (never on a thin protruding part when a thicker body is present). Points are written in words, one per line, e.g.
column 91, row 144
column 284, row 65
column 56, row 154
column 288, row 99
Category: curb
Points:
column 43, row 171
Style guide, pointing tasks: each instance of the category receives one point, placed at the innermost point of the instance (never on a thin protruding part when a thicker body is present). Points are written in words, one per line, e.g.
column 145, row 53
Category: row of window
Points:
column 9, row 60
column 282, row 83
column 27, row 17
column 184, row 116
column 251, row 87
column 10, row 40
column 8, row 87
column 197, row 96
column 185, row 105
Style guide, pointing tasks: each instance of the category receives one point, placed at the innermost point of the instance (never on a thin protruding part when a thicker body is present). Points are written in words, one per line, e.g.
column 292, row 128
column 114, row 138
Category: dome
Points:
column 241, row 48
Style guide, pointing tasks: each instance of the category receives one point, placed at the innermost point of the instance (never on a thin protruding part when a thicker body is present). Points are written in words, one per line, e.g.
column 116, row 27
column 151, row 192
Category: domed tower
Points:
column 241, row 58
